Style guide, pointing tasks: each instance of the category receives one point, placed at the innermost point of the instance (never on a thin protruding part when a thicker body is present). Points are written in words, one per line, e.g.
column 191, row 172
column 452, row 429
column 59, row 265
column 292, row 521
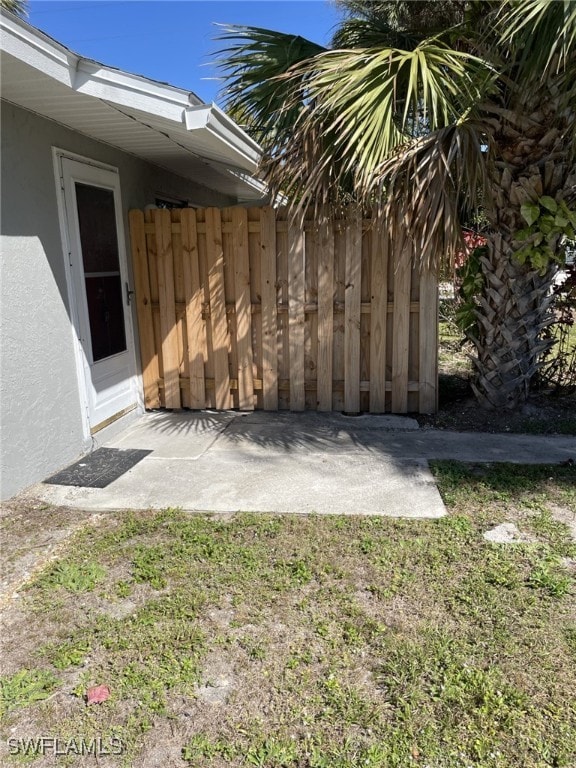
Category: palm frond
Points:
column 365, row 33
column 429, row 181
column 399, row 23
column 20, row 7
column 544, row 31
column 251, row 66
column 370, row 102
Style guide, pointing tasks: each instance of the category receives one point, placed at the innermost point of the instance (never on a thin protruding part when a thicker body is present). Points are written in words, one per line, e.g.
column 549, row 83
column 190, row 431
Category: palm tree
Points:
column 431, row 110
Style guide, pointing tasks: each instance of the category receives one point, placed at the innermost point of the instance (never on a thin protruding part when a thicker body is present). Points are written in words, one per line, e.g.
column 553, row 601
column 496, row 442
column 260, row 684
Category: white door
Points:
column 100, row 287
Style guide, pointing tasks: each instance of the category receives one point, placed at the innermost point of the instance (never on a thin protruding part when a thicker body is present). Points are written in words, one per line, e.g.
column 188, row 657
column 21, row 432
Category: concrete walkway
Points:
column 297, row 463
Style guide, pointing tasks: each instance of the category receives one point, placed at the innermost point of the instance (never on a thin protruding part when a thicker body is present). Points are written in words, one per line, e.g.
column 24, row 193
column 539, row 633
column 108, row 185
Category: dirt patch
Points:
column 33, row 535
column 217, row 680
column 542, row 414
column 508, row 533
column 566, row 516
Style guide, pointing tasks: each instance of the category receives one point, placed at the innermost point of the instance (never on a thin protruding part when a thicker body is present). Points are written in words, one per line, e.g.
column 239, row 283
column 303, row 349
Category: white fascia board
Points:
column 132, row 91
column 246, row 178
column 253, row 183
column 36, row 49
column 218, row 124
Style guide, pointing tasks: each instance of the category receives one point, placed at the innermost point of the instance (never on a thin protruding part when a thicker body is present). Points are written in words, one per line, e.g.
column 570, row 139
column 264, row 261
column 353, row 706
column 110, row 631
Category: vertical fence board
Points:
column 165, row 263
column 205, row 292
column 229, row 266
column 352, row 313
column 365, row 298
column 325, row 240
column 175, row 216
column 311, row 317
column 151, row 247
column 148, row 355
column 153, row 276
column 428, row 342
column 339, row 331
column 218, row 322
column 296, row 316
column 282, row 297
column 181, row 339
column 414, row 337
column 255, row 257
column 378, row 318
column 243, row 309
column 269, row 309
column 194, row 293
column 401, row 330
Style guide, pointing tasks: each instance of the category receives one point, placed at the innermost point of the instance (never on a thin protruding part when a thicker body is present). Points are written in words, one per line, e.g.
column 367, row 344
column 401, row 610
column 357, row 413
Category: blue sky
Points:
column 172, row 41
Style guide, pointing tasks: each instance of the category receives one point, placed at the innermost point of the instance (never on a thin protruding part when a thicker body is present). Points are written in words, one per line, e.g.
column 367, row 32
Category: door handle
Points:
column 129, row 294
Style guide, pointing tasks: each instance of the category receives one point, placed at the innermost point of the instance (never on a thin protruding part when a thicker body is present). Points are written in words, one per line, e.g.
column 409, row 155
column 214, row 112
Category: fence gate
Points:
column 239, row 308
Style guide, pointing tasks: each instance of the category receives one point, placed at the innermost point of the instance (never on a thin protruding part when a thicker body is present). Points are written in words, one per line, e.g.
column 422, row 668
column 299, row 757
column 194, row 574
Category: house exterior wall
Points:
column 40, row 402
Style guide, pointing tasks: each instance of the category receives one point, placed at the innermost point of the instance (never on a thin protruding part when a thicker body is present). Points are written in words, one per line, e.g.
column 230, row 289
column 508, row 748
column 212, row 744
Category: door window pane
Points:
column 97, row 219
column 103, row 283
column 104, row 295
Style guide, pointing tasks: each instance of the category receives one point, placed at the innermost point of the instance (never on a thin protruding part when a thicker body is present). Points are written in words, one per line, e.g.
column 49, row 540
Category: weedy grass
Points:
column 24, row 688
column 73, row 577
column 318, row 642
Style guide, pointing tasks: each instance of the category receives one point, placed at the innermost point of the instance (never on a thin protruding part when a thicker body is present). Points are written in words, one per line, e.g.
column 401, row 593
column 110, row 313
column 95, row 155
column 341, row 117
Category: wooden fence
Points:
column 239, row 308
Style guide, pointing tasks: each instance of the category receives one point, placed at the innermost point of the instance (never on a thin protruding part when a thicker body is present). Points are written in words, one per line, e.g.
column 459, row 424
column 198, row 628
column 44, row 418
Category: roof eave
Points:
column 211, row 119
column 133, row 92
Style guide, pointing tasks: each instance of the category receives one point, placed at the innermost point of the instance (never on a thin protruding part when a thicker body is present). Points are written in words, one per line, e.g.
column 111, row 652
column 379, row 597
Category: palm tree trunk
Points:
column 533, row 156
column 512, row 312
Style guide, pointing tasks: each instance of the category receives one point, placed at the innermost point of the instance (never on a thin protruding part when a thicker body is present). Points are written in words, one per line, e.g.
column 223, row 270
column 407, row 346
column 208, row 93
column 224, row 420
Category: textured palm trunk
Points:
column 533, row 158
column 512, row 312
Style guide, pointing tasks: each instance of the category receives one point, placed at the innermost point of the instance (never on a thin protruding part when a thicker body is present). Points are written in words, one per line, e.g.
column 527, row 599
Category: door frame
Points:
column 75, row 324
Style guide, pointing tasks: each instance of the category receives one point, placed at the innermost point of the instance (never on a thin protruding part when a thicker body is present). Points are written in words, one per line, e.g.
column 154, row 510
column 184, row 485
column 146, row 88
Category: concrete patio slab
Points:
column 295, row 463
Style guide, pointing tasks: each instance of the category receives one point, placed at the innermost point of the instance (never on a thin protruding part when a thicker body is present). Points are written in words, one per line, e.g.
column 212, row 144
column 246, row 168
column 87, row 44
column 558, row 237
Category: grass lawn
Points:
column 307, row 641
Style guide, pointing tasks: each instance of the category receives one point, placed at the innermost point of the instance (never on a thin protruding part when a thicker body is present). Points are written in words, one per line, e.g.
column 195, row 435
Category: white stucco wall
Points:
column 40, row 416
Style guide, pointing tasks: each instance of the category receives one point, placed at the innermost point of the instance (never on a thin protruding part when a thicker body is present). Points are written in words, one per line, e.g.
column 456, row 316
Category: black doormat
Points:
column 98, row 469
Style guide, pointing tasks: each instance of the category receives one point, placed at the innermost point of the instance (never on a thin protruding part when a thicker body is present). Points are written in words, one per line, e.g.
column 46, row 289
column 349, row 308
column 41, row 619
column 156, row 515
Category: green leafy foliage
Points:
column 147, row 566
column 551, row 577
column 548, row 221
column 471, row 280
column 558, row 369
column 73, row 577
column 200, row 746
column 25, row 687
column 70, row 653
